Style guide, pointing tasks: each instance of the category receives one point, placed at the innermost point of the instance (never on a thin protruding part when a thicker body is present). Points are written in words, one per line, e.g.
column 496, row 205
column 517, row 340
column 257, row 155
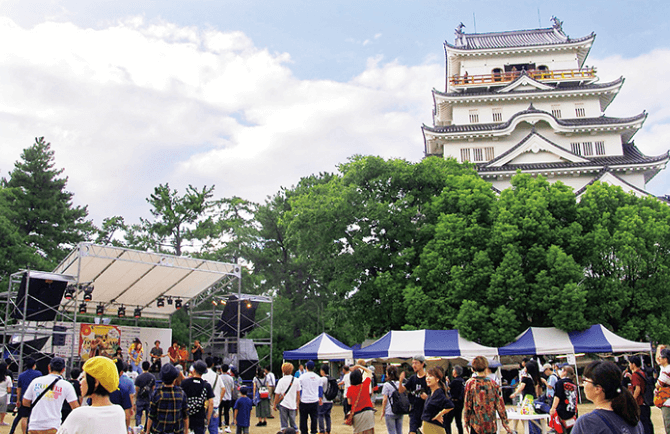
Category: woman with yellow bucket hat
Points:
column 100, row 379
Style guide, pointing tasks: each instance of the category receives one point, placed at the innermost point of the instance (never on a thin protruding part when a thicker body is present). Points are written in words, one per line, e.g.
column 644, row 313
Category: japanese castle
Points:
column 525, row 100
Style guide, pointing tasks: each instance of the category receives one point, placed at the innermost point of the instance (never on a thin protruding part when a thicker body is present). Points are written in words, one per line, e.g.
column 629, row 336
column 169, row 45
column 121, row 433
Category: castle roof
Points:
column 516, row 38
column 575, row 123
column 632, row 156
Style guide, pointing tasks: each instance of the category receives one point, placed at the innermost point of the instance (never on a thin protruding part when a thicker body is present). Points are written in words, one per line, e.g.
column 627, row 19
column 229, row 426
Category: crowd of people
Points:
column 109, row 395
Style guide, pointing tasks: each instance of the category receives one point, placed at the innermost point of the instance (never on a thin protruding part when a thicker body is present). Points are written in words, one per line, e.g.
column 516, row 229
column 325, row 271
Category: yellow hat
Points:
column 104, row 370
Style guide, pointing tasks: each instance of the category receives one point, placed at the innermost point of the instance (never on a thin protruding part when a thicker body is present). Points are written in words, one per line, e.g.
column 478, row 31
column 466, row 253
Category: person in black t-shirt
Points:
column 193, row 387
column 457, row 391
column 417, row 391
column 74, row 380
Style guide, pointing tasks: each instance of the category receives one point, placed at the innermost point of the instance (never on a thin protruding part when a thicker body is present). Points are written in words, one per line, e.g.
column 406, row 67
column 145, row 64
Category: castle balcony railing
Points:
column 509, row 76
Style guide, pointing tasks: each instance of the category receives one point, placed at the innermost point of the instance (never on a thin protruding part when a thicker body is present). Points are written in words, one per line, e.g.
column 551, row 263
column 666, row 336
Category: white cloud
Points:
column 132, row 105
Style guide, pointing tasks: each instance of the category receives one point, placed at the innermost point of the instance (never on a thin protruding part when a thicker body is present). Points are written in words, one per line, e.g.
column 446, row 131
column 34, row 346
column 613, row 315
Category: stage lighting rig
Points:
column 100, row 309
column 138, row 312
column 169, row 301
column 88, row 292
column 160, row 302
column 82, row 308
column 177, row 303
column 121, row 312
column 69, row 292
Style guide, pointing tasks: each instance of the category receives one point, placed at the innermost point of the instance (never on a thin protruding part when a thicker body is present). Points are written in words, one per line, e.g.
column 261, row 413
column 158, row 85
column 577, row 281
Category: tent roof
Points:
column 135, row 278
column 550, row 340
column 322, row 347
column 429, row 343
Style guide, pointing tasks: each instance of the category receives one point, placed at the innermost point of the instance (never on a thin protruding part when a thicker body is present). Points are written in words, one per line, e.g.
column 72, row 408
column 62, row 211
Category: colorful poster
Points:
column 98, row 340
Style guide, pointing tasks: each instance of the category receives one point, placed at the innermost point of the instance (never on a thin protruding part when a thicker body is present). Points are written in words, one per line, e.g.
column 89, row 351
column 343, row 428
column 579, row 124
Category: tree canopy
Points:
column 388, row 244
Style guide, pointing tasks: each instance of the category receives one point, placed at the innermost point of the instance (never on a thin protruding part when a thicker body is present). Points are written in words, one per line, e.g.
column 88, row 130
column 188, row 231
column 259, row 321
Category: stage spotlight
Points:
column 214, row 302
column 223, row 302
column 248, row 305
column 100, row 310
column 138, row 312
column 177, row 303
column 69, row 292
column 160, row 302
column 82, row 308
column 121, row 312
column 169, row 300
column 88, row 292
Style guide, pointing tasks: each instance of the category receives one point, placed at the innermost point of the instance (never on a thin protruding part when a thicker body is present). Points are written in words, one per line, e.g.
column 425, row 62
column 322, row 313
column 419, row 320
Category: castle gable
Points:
column 536, row 149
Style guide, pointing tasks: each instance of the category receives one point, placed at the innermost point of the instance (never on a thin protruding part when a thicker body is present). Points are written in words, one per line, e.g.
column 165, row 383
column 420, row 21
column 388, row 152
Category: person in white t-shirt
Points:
column 100, row 379
column 216, row 382
column 345, row 383
column 663, row 359
column 5, row 391
column 287, row 397
column 271, row 384
column 310, row 398
column 46, row 414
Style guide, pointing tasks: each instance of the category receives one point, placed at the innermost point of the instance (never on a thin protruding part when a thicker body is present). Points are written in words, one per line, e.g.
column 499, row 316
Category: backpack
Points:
column 399, row 401
column 649, row 385
column 332, row 389
column 145, row 392
column 195, row 404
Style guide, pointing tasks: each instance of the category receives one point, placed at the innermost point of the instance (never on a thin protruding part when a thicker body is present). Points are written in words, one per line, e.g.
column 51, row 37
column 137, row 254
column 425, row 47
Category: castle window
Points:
column 587, row 148
column 576, row 149
column 497, row 114
column 580, row 112
column 543, row 68
column 556, row 110
column 497, row 74
column 477, row 155
column 474, row 116
column 600, row 148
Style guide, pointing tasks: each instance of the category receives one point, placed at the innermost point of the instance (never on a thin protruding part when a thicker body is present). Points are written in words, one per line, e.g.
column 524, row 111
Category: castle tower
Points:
column 525, row 100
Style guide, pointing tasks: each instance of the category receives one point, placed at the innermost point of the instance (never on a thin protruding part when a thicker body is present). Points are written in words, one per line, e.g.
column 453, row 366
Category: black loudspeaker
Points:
column 228, row 323
column 44, row 297
column 59, row 336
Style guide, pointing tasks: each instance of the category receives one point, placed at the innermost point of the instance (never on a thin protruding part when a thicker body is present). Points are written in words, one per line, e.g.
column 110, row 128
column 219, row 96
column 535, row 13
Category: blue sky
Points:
column 253, row 95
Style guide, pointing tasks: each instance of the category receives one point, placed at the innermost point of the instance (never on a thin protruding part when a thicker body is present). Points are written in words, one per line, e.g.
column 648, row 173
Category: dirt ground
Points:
column 338, row 426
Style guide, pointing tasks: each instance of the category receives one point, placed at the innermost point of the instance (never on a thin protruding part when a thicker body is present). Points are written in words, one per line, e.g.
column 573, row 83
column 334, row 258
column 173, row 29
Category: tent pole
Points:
column 25, row 319
column 579, row 395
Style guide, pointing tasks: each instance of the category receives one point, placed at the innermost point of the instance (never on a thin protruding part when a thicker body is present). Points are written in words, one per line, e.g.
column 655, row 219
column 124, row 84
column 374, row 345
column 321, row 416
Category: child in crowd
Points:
column 242, row 412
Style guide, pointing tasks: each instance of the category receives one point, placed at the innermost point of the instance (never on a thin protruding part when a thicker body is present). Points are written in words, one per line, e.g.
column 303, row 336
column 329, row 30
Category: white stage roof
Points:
column 135, row 278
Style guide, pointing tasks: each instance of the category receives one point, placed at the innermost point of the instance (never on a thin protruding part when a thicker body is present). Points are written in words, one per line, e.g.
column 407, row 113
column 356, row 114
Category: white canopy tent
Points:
column 134, row 278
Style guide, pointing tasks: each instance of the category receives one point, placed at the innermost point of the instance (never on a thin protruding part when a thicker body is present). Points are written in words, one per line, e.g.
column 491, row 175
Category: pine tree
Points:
column 42, row 209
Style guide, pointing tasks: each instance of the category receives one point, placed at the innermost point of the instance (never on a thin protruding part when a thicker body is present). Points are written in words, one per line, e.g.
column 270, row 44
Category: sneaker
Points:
column 228, row 429
column 259, row 424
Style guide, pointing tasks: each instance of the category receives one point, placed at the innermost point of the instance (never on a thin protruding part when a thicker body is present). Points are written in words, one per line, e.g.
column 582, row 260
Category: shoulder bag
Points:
column 350, row 414
column 44, row 392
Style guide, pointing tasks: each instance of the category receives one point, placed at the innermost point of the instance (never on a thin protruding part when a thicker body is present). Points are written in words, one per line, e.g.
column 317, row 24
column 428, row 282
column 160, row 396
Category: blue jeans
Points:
column 214, row 424
column 142, row 406
column 393, row 424
column 323, row 414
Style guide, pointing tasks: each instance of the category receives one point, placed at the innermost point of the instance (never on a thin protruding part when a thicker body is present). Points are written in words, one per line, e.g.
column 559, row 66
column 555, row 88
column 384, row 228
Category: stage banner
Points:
column 96, row 339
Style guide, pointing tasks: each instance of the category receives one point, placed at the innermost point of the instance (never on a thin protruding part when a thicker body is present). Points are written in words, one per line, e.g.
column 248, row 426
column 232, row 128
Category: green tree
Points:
column 41, row 208
column 626, row 262
column 175, row 219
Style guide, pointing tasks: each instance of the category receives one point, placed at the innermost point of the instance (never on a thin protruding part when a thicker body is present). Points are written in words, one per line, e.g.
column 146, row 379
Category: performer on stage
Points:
column 136, row 355
column 156, row 355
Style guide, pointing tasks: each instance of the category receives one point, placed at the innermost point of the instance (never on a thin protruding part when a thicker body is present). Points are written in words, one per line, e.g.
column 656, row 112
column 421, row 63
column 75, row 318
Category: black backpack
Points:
column 399, row 401
column 649, row 384
column 332, row 389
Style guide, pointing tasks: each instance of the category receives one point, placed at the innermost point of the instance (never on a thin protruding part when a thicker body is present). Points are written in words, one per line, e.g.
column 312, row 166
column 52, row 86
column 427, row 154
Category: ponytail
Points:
column 607, row 375
column 625, row 406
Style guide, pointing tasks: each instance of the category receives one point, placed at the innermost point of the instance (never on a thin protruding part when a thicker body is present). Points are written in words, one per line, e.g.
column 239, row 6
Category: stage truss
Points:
column 125, row 278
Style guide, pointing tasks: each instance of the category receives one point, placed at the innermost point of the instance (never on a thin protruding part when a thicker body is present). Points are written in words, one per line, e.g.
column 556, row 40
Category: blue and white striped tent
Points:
column 550, row 340
column 428, row 343
column 322, row 347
